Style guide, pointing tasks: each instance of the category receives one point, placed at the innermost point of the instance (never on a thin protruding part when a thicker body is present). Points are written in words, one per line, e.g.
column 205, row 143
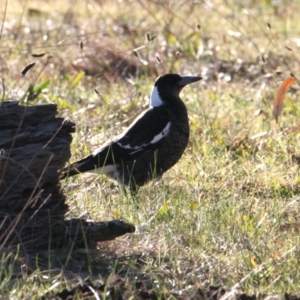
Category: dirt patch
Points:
column 117, row 290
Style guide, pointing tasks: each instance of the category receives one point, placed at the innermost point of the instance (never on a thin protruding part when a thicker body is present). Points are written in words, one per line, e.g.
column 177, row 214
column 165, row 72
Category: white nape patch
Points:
column 155, row 99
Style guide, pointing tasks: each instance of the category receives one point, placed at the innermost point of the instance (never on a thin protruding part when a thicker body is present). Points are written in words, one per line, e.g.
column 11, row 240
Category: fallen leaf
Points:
column 253, row 262
column 280, row 96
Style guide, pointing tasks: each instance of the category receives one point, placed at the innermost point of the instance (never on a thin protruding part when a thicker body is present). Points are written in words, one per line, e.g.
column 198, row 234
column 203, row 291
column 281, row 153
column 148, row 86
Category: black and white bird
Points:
column 151, row 145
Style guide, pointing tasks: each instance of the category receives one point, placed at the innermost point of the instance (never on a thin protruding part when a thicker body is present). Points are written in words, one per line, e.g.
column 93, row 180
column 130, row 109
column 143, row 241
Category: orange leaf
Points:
column 280, row 96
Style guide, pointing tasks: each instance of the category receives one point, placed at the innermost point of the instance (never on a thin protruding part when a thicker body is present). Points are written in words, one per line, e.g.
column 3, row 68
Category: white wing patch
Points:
column 155, row 140
column 97, row 151
column 129, row 147
column 155, row 99
column 161, row 135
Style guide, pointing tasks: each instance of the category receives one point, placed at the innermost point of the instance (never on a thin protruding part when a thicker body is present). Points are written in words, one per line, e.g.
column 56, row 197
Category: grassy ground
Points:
column 227, row 213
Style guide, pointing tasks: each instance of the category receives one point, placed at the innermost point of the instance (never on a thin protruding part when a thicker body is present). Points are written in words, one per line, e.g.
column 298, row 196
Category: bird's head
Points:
column 168, row 86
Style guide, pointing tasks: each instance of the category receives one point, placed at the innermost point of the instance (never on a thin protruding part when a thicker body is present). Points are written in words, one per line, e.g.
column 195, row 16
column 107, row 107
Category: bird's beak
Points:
column 188, row 79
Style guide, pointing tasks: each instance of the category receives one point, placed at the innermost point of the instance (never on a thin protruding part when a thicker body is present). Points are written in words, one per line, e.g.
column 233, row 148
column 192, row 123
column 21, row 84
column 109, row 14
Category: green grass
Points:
column 227, row 213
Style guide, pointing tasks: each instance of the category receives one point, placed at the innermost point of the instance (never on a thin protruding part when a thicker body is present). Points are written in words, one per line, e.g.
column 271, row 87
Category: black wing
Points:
column 145, row 134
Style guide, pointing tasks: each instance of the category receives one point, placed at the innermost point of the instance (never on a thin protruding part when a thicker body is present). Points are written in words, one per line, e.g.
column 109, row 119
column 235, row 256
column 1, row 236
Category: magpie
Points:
column 151, row 145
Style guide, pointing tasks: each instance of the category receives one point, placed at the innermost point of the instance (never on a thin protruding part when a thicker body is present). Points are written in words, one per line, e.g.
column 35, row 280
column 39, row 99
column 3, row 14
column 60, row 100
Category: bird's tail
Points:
column 81, row 166
column 101, row 162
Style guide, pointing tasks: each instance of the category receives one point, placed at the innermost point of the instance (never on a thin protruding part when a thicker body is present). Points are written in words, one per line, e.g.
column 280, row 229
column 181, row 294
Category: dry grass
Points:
column 227, row 213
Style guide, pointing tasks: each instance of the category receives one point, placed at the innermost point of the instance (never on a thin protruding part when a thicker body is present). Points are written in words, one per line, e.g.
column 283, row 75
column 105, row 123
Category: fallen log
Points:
column 34, row 146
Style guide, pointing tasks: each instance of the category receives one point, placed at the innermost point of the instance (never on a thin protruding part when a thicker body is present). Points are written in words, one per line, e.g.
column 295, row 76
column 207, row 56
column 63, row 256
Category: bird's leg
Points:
column 133, row 189
column 134, row 193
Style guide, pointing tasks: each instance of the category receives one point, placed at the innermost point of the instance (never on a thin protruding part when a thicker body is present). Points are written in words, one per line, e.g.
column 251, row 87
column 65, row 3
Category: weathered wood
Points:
column 51, row 233
column 34, row 147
